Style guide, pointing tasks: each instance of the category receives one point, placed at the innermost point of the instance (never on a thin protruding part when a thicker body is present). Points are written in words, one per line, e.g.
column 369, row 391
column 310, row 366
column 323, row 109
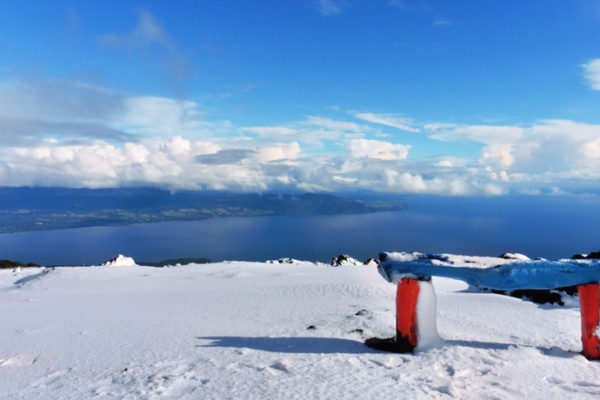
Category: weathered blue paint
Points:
column 519, row 275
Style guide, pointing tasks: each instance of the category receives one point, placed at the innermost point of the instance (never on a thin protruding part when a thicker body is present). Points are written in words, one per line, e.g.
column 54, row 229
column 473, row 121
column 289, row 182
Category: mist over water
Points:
column 549, row 227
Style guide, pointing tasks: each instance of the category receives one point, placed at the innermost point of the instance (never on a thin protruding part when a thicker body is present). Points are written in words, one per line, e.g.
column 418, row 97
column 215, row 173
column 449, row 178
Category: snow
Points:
column 515, row 256
column 119, row 261
column 426, row 317
column 403, row 256
column 239, row 330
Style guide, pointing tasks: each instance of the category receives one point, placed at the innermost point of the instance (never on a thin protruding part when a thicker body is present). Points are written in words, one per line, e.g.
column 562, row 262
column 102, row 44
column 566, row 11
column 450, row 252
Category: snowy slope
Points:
column 240, row 330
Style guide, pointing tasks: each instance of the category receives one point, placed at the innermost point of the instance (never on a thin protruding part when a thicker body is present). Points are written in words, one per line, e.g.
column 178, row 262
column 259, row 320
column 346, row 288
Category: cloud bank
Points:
column 68, row 133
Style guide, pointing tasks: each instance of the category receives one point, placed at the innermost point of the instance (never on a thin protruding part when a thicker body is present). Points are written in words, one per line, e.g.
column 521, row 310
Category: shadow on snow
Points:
column 322, row 345
column 316, row 345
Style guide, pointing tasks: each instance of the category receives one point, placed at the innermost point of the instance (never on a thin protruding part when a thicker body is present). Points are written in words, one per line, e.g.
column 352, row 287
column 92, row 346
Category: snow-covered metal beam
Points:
column 410, row 276
column 514, row 276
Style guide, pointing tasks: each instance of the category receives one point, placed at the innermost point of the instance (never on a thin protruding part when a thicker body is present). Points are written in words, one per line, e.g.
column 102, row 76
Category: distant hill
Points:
column 30, row 209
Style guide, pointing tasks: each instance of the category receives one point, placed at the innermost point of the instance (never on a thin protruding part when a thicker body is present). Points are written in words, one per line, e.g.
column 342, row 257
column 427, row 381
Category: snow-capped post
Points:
column 589, row 300
column 407, row 296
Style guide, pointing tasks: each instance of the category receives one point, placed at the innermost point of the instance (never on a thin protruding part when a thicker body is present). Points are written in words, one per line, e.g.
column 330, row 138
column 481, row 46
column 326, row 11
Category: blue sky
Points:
column 438, row 97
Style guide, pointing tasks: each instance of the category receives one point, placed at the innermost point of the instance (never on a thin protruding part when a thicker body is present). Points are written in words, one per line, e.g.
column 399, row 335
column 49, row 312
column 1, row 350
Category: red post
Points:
column 589, row 299
column 406, row 315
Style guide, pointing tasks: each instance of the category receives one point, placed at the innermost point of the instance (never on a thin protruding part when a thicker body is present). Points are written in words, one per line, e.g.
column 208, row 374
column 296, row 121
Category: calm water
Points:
column 547, row 227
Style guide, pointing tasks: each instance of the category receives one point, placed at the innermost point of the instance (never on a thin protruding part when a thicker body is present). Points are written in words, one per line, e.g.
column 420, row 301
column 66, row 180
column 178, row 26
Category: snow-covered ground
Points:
column 272, row 330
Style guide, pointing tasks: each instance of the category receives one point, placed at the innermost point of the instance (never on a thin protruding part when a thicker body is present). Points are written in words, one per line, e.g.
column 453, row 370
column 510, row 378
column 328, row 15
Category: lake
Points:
column 550, row 227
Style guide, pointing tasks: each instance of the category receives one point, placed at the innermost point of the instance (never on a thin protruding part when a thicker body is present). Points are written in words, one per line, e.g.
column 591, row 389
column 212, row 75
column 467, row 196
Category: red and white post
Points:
column 589, row 300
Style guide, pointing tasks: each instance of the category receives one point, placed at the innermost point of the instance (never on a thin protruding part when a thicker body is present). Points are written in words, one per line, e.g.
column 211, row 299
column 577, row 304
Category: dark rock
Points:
column 539, row 296
column 570, row 290
column 175, row 261
column 15, row 264
column 361, row 312
column 337, row 261
column 344, row 259
column 594, row 255
column 371, row 260
column 311, row 327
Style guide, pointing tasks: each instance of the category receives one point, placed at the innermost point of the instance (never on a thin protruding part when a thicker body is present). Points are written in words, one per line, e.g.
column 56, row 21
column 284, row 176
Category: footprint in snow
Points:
column 281, row 365
column 171, row 379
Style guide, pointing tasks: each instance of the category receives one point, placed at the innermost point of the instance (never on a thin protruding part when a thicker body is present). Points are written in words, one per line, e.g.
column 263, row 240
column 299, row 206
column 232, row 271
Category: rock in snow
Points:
column 515, row 256
column 371, row 262
column 119, row 261
column 594, row 255
column 343, row 260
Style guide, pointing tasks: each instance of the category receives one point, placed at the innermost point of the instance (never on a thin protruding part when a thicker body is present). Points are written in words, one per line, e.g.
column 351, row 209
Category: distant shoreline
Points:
column 46, row 209
column 78, row 224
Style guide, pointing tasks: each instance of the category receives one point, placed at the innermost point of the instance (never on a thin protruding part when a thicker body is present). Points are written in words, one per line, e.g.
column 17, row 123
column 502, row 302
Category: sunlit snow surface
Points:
column 239, row 330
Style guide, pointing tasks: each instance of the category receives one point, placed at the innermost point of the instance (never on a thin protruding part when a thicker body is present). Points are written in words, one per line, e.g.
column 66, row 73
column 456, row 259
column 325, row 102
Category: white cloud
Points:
column 450, row 162
column 146, row 36
column 329, row 7
column 377, row 149
column 394, row 121
column 477, row 133
column 542, row 151
column 205, row 147
column 441, row 22
column 344, row 180
column 147, row 31
column 444, row 164
column 591, row 149
column 278, row 152
column 313, row 131
column 491, row 189
column 177, row 146
column 333, row 125
column 498, row 155
column 151, row 115
column 270, row 131
column 407, row 182
column 591, row 72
